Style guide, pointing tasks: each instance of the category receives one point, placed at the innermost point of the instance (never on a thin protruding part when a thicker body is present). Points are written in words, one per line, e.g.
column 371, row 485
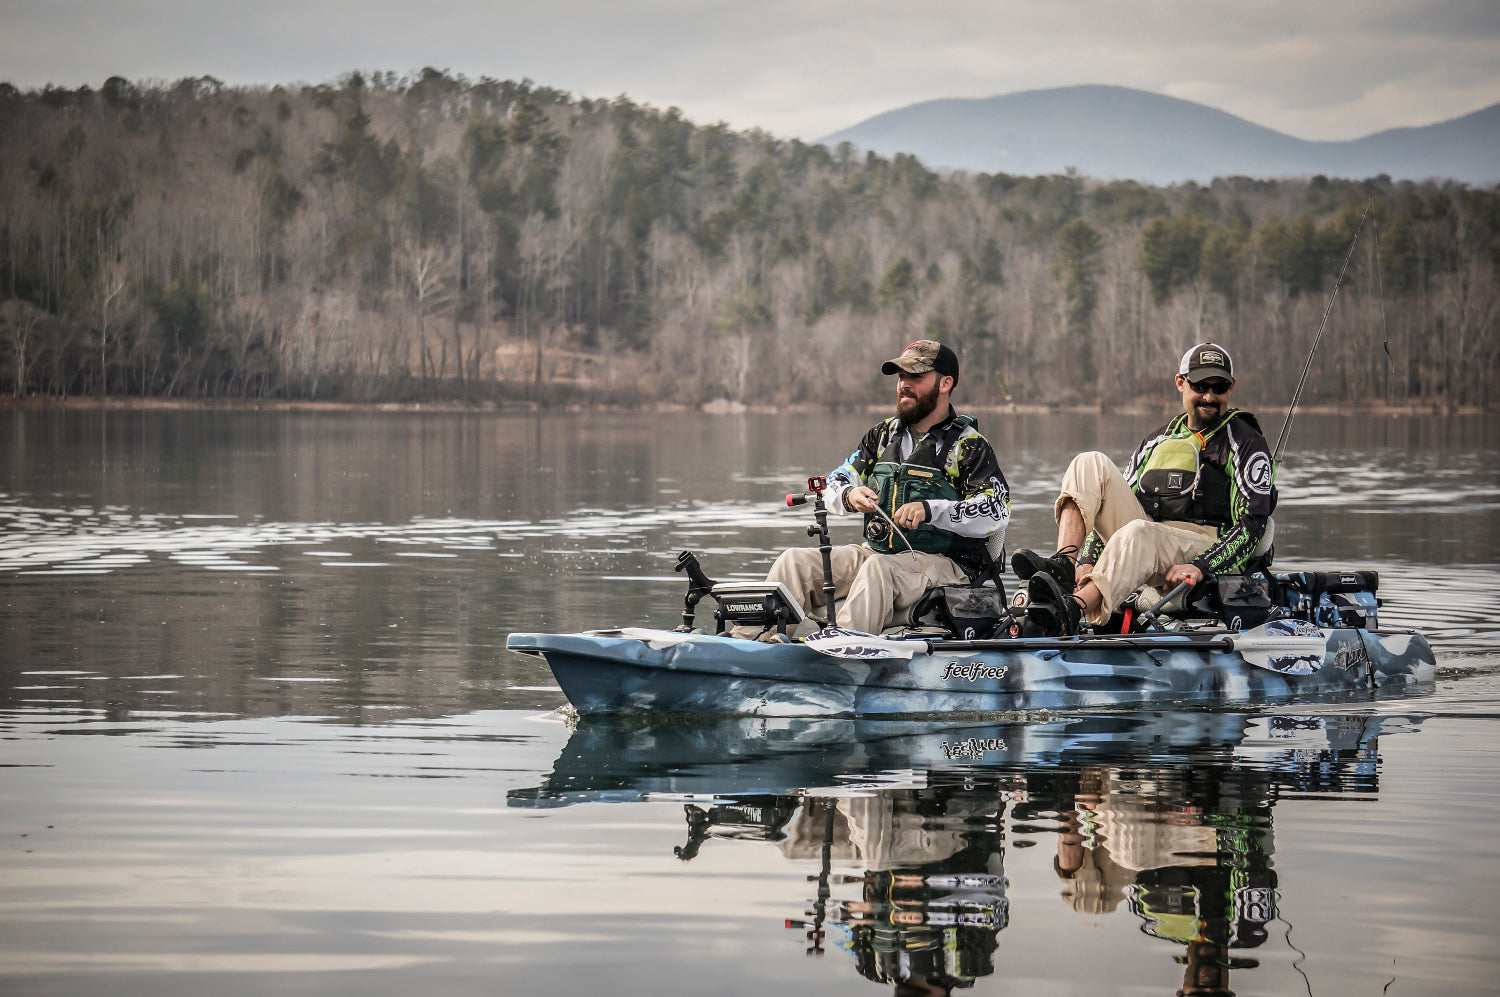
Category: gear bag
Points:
column 969, row 612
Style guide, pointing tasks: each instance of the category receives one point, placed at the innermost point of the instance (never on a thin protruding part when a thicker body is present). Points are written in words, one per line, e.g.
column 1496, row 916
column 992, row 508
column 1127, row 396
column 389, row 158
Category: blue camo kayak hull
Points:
column 637, row 669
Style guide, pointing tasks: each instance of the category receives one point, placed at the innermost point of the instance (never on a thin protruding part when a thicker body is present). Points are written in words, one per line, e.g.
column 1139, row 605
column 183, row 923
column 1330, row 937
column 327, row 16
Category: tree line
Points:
column 433, row 237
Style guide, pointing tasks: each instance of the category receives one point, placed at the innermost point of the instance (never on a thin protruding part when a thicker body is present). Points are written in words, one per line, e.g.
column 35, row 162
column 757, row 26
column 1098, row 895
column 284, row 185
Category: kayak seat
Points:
column 968, row 612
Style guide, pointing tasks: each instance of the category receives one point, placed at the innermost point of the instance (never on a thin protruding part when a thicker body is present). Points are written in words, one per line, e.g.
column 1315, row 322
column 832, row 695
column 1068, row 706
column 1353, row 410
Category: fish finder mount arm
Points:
column 816, row 486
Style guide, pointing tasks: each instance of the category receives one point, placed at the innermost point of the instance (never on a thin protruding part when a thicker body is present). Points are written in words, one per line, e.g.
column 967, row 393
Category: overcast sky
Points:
column 1317, row 69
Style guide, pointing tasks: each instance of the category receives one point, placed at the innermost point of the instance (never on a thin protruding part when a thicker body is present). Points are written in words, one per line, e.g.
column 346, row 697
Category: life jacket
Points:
column 1175, row 482
column 921, row 476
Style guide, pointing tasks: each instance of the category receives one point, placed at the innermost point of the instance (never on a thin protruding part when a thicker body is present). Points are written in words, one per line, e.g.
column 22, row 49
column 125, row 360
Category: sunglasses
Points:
column 1211, row 387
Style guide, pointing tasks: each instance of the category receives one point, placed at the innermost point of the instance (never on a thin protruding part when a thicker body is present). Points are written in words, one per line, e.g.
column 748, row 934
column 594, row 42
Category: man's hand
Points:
column 1178, row 573
column 861, row 499
column 911, row 515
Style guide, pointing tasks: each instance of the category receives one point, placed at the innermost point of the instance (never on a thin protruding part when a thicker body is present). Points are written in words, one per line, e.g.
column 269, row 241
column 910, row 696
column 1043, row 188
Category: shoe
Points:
column 1052, row 609
column 1026, row 563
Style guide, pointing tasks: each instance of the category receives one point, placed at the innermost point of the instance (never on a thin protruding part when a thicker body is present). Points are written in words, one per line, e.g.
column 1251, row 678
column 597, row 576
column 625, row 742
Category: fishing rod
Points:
column 802, row 499
column 1286, row 424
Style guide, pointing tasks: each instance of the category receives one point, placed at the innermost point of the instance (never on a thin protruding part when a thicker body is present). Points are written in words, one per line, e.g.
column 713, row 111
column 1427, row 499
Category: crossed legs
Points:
column 1138, row 550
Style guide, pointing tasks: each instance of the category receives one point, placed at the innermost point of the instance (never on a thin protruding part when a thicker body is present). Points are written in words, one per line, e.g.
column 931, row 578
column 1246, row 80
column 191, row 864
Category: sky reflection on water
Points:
column 508, row 850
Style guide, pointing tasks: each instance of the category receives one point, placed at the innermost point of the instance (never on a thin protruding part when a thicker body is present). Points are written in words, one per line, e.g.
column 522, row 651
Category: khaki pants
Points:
column 874, row 586
column 1138, row 551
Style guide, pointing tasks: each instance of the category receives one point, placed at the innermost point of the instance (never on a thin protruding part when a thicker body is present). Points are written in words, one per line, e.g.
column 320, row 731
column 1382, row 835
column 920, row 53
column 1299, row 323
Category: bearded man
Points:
column 931, row 473
column 1195, row 500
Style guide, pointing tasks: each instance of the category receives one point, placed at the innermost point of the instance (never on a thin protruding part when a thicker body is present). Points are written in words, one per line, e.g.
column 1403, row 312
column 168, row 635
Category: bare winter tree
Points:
column 113, row 281
column 21, row 323
column 425, row 269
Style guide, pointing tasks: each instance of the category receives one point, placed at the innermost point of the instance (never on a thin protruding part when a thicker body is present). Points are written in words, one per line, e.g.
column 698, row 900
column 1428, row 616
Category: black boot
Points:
column 1052, row 608
column 1026, row 563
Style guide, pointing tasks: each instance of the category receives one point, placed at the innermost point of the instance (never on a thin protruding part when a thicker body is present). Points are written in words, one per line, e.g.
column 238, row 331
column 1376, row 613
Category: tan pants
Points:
column 874, row 586
column 1138, row 551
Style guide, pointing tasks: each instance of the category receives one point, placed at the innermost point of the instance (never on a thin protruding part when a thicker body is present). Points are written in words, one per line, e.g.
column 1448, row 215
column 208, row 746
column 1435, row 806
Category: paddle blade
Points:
column 840, row 643
column 1288, row 647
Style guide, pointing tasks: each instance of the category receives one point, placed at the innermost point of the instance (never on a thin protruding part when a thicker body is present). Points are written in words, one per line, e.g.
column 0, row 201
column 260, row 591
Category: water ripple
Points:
column 85, row 541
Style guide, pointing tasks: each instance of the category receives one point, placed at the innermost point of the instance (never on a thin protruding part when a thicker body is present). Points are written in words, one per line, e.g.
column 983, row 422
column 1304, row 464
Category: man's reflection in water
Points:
column 925, row 913
column 1185, row 848
column 1190, row 854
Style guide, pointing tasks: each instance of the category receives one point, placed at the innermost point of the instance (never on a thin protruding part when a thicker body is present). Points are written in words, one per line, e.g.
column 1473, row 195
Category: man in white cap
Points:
column 930, row 472
column 1195, row 500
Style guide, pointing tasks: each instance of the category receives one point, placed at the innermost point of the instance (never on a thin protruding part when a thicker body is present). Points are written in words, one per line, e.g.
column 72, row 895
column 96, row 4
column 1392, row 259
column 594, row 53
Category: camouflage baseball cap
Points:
column 922, row 356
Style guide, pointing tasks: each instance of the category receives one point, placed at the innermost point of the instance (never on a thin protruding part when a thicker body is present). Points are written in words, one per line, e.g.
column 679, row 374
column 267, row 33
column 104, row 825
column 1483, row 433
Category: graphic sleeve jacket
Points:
column 966, row 508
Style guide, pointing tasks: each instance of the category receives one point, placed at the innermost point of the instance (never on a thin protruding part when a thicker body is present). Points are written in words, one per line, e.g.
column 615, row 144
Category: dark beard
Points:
column 1197, row 423
column 921, row 407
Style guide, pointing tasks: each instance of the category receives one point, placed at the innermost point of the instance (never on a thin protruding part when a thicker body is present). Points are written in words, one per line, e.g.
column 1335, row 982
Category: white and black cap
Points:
column 1206, row 360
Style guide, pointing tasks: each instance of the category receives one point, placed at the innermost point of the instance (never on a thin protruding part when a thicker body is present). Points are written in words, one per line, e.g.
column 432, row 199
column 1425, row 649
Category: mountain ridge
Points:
column 1113, row 132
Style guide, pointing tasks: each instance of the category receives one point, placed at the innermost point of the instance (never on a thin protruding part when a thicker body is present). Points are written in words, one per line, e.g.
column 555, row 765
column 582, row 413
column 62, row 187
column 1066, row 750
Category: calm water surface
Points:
column 261, row 733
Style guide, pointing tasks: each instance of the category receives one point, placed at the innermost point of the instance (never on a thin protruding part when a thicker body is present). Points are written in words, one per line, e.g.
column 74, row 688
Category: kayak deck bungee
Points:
column 611, row 671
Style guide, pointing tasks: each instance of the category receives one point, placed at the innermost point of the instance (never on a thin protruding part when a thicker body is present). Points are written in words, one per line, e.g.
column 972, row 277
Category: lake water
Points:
column 261, row 733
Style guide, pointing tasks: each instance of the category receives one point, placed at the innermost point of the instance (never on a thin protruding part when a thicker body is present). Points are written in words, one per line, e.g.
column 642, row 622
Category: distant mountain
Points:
column 1119, row 133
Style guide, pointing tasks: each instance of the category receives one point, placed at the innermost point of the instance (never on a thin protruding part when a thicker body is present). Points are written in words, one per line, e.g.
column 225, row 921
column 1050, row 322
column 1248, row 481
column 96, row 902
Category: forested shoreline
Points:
column 434, row 239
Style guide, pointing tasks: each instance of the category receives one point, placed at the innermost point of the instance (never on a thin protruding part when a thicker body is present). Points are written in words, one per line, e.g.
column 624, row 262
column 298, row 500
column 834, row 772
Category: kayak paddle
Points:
column 1289, row 647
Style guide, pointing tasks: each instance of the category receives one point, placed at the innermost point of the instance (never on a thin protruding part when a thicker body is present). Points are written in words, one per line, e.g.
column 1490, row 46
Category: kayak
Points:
column 1258, row 637
column 641, row 669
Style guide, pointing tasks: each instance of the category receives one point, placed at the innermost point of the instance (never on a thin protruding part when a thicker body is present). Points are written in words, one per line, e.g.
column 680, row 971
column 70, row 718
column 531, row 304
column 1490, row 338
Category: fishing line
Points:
column 1385, row 336
column 1286, row 425
column 1301, row 955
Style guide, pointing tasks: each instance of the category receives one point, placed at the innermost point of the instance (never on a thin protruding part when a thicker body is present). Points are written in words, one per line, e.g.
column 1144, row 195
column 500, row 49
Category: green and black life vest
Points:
column 1174, row 481
column 920, row 477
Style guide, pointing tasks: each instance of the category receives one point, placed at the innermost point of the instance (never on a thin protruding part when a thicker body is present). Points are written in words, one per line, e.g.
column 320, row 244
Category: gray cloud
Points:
column 1336, row 69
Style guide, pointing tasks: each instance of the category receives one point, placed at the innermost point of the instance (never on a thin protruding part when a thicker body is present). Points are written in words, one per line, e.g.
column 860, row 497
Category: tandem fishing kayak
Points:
column 965, row 649
column 845, row 674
